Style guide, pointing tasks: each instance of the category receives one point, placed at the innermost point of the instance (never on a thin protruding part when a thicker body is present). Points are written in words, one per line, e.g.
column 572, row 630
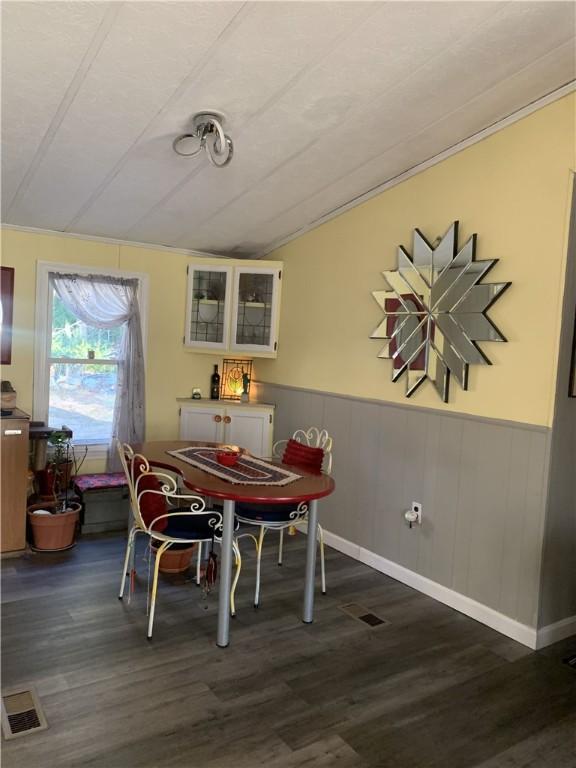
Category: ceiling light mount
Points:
column 208, row 134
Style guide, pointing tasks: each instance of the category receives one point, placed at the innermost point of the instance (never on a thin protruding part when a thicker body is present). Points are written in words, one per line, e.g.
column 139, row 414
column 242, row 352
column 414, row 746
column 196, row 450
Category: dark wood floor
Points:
column 432, row 689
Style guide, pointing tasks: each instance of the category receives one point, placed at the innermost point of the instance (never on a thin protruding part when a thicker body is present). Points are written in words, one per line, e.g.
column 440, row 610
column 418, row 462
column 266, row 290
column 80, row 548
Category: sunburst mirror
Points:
column 435, row 312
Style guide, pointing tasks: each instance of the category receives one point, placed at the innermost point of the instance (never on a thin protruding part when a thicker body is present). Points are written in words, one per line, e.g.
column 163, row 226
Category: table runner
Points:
column 247, row 471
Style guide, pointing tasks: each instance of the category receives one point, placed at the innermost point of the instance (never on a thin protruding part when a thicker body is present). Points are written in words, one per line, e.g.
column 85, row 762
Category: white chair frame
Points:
column 170, row 490
column 315, row 438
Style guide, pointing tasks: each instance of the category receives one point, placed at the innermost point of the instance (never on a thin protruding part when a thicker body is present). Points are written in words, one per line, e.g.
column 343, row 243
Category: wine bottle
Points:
column 215, row 385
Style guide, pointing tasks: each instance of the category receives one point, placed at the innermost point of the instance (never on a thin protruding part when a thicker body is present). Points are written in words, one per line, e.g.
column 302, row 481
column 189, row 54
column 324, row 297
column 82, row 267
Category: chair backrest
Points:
column 314, row 438
column 136, row 467
column 151, row 492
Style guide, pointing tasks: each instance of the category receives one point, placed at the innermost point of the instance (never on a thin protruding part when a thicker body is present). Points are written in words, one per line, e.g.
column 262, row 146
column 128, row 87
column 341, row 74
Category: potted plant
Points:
column 177, row 558
column 60, row 460
column 54, row 520
column 55, row 477
column 53, row 524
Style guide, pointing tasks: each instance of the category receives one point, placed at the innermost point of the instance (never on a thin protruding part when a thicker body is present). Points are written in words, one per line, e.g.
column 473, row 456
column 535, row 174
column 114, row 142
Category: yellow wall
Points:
column 513, row 190
column 171, row 369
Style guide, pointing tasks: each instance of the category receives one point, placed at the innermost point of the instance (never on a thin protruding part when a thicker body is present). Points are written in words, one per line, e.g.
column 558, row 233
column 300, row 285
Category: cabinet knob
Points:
column 227, row 419
column 218, row 419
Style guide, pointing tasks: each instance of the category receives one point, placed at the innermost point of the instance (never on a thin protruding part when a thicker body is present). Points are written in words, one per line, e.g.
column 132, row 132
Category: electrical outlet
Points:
column 413, row 516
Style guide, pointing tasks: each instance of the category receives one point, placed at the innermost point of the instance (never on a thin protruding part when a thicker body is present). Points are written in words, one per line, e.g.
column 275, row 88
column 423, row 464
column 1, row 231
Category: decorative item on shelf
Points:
column 7, row 397
column 252, row 287
column 245, row 396
column 207, row 134
column 217, row 290
column 435, row 312
column 196, row 394
column 215, row 385
column 208, row 311
column 236, row 378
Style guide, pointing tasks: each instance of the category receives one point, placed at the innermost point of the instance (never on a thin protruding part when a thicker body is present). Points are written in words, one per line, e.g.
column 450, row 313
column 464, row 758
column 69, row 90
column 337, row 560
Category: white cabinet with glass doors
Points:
column 233, row 308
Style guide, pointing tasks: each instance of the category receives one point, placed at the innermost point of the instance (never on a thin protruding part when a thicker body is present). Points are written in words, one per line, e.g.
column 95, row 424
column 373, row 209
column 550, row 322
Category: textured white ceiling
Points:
column 325, row 100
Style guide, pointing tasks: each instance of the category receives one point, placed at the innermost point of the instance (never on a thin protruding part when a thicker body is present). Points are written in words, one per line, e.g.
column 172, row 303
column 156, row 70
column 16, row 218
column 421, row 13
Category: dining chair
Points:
column 168, row 517
column 311, row 449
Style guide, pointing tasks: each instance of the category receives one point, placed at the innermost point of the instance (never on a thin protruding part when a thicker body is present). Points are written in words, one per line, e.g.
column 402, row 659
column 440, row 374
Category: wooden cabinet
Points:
column 14, row 478
column 217, row 421
column 233, row 309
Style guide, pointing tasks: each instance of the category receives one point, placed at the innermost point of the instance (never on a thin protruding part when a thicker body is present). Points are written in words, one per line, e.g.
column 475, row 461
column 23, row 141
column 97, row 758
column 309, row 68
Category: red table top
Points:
column 310, row 486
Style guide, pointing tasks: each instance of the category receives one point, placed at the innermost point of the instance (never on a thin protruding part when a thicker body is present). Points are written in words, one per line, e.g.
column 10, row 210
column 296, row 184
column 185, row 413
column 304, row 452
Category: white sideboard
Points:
column 249, row 425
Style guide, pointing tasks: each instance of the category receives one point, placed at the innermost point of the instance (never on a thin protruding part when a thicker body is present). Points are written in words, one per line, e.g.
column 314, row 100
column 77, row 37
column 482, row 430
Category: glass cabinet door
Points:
column 207, row 316
column 254, row 321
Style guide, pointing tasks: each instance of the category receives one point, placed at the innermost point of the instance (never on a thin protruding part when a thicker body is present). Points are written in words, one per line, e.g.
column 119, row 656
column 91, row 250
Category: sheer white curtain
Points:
column 108, row 302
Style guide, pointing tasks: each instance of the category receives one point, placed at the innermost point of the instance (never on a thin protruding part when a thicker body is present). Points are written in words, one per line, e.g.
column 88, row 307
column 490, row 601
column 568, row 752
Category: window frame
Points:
column 43, row 339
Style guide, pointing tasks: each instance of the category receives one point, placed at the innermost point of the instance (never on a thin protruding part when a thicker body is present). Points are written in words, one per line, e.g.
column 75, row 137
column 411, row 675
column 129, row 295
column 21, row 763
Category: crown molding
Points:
column 115, row 241
column 504, row 122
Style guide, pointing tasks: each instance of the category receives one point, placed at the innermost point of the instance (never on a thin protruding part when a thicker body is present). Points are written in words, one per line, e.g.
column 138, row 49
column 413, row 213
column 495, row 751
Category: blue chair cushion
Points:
column 190, row 526
column 266, row 513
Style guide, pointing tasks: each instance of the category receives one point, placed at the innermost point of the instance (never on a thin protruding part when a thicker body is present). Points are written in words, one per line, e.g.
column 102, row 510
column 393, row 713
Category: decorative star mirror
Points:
column 435, row 312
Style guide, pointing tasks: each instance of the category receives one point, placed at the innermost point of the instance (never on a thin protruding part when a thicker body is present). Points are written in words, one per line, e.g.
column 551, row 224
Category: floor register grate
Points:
column 21, row 713
column 363, row 614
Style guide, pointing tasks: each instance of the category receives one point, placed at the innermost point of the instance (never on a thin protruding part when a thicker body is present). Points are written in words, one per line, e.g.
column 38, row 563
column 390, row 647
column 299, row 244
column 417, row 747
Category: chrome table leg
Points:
column 226, row 557
column 308, row 613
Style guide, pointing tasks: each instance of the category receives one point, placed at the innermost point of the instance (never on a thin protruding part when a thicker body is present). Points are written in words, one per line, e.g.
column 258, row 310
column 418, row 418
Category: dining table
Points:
column 309, row 487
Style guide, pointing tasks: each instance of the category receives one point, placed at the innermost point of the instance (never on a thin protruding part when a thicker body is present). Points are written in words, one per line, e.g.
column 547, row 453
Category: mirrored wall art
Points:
column 434, row 312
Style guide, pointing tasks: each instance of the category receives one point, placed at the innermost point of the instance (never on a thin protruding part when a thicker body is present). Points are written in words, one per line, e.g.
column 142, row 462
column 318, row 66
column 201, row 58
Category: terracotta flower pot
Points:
column 176, row 560
column 55, row 531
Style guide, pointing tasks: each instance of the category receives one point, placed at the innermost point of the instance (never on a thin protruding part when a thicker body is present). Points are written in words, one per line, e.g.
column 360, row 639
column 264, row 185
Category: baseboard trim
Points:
column 522, row 633
column 553, row 633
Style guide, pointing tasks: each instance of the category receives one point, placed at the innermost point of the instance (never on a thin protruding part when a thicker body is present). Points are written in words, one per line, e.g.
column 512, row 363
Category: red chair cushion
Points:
column 303, row 455
column 152, row 505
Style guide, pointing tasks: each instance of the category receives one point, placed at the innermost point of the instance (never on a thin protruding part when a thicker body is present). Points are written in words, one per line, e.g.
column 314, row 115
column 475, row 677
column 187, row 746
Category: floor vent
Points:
column 21, row 713
column 571, row 661
column 363, row 614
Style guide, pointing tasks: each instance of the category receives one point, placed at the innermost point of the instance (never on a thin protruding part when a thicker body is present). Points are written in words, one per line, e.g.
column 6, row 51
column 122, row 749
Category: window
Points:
column 83, row 372
column 76, row 372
